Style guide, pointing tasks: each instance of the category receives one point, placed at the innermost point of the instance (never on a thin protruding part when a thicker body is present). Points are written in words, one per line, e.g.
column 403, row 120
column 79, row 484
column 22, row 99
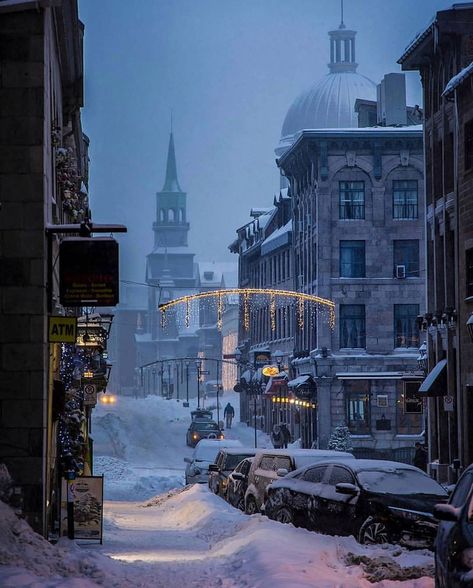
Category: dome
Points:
column 330, row 102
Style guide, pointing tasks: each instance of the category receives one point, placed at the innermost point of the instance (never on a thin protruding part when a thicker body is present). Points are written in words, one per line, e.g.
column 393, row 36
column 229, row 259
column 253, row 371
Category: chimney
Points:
column 391, row 99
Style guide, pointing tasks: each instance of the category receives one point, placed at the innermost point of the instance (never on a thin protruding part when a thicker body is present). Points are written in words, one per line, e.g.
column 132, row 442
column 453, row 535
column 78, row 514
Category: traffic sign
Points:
column 90, row 395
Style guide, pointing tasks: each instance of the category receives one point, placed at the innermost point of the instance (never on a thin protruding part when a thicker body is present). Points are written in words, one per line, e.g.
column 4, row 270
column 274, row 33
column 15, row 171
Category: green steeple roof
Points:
column 171, row 183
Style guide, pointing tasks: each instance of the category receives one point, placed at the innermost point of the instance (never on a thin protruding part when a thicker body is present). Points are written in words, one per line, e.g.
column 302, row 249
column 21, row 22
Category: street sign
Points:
column 90, row 395
column 62, row 329
column 448, row 403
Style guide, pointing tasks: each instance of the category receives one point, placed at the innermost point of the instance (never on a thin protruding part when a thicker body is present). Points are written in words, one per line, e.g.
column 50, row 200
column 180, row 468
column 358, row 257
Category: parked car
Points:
column 269, row 464
column 376, row 501
column 454, row 543
column 200, row 414
column 204, row 454
column 226, row 461
column 203, row 429
column 238, row 483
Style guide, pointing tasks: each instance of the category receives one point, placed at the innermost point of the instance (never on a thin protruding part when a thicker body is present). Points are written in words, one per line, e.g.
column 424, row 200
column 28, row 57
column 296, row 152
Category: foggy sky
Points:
column 228, row 70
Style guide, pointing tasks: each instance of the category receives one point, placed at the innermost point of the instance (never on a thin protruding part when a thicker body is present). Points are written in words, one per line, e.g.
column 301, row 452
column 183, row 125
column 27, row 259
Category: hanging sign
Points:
column 86, row 494
column 62, row 329
column 448, row 403
column 90, row 395
column 88, row 271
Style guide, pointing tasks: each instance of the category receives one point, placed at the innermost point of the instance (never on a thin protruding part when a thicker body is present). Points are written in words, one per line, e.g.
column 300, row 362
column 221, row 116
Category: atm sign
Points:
column 62, row 329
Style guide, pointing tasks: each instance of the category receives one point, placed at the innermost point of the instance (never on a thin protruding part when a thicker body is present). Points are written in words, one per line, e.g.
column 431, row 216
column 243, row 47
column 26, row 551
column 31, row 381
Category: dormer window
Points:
column 208, row 276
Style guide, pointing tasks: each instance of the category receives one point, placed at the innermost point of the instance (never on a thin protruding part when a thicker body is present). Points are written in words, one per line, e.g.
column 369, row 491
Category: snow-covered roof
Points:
column 278, row 238
column 458, row 79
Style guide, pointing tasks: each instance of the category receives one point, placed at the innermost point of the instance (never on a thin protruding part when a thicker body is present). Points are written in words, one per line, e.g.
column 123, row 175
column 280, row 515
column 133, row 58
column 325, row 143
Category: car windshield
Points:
column 399, row 481
column 233, row 460
column 207, row 453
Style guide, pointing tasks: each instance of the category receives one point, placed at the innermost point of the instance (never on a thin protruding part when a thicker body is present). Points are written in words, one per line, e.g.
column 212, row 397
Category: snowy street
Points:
column 158, row 532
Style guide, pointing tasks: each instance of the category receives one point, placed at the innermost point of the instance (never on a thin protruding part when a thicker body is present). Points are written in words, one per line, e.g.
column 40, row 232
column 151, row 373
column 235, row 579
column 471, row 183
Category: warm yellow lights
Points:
column 108, row 399
column 88, row 374
column 285, row 400
column 270, row 370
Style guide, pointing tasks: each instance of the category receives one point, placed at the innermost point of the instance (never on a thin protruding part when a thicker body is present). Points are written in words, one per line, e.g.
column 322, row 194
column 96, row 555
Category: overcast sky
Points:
column 228, row 70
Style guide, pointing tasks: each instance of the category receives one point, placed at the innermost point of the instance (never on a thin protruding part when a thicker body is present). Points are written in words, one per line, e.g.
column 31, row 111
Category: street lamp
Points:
column 154, row 382
column 187, row 383
column 197, row 365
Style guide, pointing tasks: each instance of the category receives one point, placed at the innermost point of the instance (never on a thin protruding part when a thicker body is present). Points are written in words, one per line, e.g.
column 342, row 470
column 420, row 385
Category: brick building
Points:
column 443, row 54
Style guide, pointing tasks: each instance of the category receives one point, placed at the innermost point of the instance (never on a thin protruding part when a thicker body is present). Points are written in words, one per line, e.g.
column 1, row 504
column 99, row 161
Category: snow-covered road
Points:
column 159, row 533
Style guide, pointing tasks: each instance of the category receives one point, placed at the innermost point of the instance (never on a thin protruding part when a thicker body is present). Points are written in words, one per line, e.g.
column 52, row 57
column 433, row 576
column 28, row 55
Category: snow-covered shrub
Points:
column 340, row 439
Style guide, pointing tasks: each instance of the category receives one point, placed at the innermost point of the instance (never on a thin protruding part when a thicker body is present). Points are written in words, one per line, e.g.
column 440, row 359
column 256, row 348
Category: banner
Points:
column 86, row 494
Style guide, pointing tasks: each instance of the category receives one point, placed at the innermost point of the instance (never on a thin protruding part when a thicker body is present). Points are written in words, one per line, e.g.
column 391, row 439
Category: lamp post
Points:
column 154, row 382
column 177, row 381
column 197, row 365
column 169, row 381
column 278, row 356
column 187, row 383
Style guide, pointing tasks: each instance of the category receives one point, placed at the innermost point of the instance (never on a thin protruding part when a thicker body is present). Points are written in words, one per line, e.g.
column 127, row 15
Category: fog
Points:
column 228, row 71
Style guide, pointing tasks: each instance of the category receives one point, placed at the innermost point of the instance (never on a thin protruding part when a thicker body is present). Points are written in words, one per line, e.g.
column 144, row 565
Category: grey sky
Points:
column 229, row 70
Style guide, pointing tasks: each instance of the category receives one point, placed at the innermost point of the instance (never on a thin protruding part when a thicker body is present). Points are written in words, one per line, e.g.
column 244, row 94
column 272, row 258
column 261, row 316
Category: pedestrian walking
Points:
column 420, row 457
column 286, row 435
column 229, row 413
column 276, row 437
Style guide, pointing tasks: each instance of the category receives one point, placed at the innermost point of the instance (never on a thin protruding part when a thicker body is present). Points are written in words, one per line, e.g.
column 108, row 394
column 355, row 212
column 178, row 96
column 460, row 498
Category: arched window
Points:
column 181, row 215
column 162, row 216
column 171, row 215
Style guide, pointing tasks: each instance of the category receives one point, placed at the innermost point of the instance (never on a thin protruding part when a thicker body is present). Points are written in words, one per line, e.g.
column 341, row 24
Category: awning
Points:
column 435, row 384
column 300, row 381
column 276, row 386
column 372, row 376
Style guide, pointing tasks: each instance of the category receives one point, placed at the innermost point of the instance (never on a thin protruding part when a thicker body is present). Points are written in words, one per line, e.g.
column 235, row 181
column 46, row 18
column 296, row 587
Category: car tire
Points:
column 284, row 515
column 241, row 504
column 250, row 506
column 374, row 531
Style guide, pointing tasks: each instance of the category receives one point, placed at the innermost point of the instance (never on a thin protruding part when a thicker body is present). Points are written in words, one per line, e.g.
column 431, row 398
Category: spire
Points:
column 342, row 48
column 171, row 183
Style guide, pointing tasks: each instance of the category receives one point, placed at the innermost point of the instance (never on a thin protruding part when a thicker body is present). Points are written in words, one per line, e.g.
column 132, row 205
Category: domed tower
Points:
column 330, row 102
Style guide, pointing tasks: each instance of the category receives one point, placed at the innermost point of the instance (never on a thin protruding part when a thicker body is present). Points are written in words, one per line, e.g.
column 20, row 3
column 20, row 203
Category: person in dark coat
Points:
column 286, row 435
column 276, row 437
column 420, row 457
column 229, row 413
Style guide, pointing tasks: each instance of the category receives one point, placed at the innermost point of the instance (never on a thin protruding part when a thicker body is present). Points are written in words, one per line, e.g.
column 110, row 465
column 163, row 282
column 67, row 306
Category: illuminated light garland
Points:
column 219, row 312
column 272, row 312
column 218, row 295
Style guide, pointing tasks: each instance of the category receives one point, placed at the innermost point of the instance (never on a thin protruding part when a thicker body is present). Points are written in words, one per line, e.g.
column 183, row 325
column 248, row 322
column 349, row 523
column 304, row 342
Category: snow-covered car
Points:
column 238, row 483
column 376, row 501
column 270, row 464
column 200, row 414
column 226, row 461
column 454, row 543
column 203, row 429
column 204, row 454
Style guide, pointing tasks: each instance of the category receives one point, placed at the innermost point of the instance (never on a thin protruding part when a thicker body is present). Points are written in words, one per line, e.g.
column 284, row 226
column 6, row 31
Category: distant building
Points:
column 443, row 53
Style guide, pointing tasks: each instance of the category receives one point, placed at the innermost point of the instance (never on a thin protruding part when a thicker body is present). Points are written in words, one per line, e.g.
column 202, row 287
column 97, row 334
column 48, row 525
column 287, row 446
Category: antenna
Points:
column 171, row 111
column 342, row 24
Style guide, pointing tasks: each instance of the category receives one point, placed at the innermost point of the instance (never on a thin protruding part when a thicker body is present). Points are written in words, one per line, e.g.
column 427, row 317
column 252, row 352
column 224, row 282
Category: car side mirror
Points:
column 188, row 460
column 281, row 472
column 346, row 488
column 238, row 476
column 213, row 467
column 446, row 512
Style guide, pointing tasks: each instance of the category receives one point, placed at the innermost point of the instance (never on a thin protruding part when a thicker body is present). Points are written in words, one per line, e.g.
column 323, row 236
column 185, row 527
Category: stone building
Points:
column 443, row 54
column 41, row 93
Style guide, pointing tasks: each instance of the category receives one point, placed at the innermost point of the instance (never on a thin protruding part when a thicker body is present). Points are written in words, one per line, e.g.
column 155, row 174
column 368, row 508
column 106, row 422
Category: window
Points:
column 352, row 259
column 267, row 463
column 412, row 401
column 352, row 200
column 282, row 462
column 406, row 332
column 352, row 325
column 468, row 131
column 406, row 253
column 340, row 475
column 405, row 204
column 315, row 475
column 469, row 272
column 409, row 409
column 358, row 408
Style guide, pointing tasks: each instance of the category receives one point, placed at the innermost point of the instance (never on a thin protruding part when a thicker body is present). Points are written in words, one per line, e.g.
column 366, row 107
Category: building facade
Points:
column 43, row 178
column 443, row 54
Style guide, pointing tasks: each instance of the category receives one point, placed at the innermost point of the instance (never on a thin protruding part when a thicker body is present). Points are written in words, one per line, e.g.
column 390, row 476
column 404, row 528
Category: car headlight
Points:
column 222, row 436
column 195, row 436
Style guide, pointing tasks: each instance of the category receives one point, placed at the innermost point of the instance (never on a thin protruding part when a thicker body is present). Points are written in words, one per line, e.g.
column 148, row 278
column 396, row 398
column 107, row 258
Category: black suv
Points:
column 202, row 429
column 376, row 501
column 226, row 461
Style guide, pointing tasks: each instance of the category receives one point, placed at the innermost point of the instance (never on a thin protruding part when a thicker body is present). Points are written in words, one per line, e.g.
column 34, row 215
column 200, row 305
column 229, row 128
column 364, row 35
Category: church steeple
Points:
column 171, row 183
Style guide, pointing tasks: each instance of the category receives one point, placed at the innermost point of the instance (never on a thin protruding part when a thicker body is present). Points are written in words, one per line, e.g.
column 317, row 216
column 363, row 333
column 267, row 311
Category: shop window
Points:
column 469, row 272
column 406, row 258
column 358, row 409
column 405, row 199
column 352, row 200
column 406, row 332
column 410, row 410
column 352, row 326
column 352, row 259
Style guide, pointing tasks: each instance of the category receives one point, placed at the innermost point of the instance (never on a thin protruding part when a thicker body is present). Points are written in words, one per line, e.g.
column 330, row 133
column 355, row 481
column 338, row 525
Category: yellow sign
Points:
column 62, row 329
column 270, row 370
